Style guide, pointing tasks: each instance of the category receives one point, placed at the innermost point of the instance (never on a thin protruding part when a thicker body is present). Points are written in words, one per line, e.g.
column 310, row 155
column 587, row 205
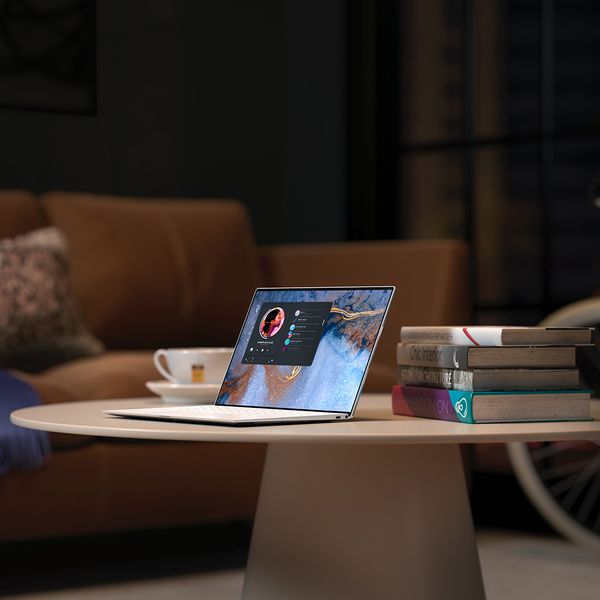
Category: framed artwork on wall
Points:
column 48, row 55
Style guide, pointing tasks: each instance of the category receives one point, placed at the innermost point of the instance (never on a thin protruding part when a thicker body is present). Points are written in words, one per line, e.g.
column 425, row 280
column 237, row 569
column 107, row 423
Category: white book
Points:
column 488, row 335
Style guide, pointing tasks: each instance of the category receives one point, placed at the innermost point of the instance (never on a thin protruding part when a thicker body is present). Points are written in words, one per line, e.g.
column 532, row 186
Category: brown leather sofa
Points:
column 172, row 272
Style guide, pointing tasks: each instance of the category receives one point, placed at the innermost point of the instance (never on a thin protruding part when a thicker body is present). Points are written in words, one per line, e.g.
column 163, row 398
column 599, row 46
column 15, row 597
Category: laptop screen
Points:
column 305, row 348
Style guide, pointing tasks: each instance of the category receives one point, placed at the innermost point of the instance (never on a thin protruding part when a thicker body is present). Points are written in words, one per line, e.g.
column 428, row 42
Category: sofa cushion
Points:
column 20, row 212
column 50, row 393
column 115, row 374
column 40, row 322
column 152, row 273
column 110, row 375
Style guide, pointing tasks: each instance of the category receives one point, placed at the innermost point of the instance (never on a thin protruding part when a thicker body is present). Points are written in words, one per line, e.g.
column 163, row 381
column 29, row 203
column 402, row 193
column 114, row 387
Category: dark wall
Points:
column 227, row 98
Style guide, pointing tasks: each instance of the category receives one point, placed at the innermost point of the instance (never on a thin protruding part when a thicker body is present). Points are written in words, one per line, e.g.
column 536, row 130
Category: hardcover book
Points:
column 490, row 406
column 497, row 335
column 470, row 357
column 489, row 379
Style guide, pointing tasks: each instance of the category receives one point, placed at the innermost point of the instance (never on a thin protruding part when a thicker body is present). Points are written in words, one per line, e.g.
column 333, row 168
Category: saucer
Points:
column 185, row 393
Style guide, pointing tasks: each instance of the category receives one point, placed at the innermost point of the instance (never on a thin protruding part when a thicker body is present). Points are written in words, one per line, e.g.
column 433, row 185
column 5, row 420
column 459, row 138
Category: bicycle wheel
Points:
column 562, row 479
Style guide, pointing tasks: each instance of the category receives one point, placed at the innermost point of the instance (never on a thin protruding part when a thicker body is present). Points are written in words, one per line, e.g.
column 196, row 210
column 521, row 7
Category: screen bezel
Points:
column 314, row 289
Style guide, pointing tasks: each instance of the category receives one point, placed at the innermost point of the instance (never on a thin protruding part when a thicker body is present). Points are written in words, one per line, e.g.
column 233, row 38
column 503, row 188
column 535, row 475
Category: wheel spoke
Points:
column 579, row 477
column 596, row 525
column 574, row 493
column 552, row 449
column 566, row 469
column 590, row 500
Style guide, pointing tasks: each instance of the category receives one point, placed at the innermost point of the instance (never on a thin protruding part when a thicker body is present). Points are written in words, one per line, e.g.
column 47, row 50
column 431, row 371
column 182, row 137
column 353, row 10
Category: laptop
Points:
column 302, row 355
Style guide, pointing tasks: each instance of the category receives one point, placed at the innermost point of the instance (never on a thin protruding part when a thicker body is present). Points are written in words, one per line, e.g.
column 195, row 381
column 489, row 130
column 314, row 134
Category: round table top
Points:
column 373, row 423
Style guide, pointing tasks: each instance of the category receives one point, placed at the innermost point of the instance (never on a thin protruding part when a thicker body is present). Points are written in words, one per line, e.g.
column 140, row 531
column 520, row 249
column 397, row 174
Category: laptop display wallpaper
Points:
column 305, row 348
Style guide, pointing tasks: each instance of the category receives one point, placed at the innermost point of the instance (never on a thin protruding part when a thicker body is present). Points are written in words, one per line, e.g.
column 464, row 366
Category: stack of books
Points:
column 493, row 374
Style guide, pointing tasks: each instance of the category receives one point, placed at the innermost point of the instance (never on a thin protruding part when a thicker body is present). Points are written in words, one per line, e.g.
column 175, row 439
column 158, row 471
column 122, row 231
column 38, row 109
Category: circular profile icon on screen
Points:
column 272, row 322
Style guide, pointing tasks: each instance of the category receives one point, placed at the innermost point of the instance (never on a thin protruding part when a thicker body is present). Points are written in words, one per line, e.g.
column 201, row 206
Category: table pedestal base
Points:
column 363, row 522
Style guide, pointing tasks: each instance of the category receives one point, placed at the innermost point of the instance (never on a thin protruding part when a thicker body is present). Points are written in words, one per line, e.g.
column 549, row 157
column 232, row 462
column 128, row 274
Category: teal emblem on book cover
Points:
column 461, row 402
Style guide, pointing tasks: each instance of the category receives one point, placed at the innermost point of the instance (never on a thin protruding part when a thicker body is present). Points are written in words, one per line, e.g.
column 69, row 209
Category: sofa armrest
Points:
column 431, row 279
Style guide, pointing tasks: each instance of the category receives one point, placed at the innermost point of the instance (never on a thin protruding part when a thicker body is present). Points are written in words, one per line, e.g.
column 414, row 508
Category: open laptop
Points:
column 302, row 355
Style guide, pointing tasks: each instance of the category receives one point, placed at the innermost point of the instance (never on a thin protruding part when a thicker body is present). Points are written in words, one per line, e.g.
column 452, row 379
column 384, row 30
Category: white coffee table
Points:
column 372, row 508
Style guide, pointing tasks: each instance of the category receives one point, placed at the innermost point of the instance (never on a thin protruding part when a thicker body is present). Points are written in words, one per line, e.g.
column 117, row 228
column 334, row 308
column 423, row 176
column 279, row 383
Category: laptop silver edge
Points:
column 310, row 416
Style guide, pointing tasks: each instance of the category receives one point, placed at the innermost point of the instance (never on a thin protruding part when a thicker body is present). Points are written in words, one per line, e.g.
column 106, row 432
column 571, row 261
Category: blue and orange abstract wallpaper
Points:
column 334, row 355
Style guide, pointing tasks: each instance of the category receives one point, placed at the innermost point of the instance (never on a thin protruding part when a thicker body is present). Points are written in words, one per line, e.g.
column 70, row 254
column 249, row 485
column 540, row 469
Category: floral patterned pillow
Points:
column 41, row 324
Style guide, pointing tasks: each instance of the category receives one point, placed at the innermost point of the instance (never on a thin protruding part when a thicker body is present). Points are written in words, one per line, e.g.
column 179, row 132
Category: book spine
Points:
column 432, row 403
column 459, row 336
column 448, row 379
column 427, row 376
column 433, row 355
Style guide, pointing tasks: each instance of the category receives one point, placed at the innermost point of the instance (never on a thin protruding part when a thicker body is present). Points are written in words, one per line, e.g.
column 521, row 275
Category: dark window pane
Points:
column 577, row 77
column 507, row 67
column 431, row 44
column 432, row 192
column 508, row 227
column 535, row 229
column 575, row 222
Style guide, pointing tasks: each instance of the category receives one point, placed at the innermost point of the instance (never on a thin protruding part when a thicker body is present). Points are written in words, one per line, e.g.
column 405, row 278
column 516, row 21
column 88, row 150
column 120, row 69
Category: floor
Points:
column 516, row 566
column 129, row 565
column 521, row 558
column 523, row 566
column 225, row 585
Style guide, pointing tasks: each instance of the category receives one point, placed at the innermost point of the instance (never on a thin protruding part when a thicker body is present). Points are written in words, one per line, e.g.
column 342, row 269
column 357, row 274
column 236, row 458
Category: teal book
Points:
column 491, row 406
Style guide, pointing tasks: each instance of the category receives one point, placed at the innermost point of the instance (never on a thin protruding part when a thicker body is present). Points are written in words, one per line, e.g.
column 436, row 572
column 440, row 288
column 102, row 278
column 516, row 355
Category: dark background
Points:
column 336, row 120
column 225, row 99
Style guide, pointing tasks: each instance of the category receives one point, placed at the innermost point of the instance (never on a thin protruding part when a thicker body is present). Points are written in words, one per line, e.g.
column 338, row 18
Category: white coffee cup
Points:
column 193, row 365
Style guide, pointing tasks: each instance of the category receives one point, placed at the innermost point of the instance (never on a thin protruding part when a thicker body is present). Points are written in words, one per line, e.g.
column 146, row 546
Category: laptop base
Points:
column 227, row 415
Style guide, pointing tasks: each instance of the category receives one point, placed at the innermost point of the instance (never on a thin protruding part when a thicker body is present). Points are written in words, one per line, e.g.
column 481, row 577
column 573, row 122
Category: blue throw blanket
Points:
column 23, row 449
